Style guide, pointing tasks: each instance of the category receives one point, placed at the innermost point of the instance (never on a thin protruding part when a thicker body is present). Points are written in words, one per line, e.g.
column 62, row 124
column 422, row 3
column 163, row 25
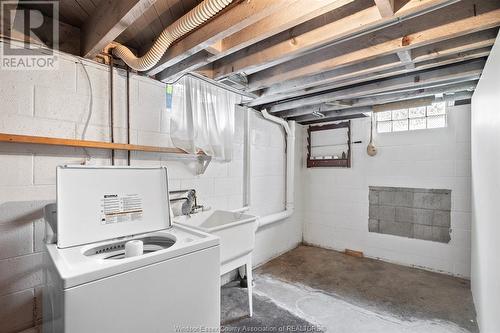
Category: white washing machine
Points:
column 118, row 264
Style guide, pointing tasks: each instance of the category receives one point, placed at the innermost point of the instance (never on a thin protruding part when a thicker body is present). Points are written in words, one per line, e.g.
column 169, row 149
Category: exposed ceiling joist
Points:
column 335, row 116
column 236, row 18
column 421, row 67
column 443, row 61
column 467, row 87
column 291, row 15
column 385, row 7
column 214, row 49
column 377, row 75
column 442, row 76
column 462, row 18
column 333, row 113
column 108, row 21
column 13, row 29
column 438, row 84
column 434, row 51
column 187, row 65
column 294, row 43
column 406, row 58
column 343, row 114
column 375, row 70
column 410, row 103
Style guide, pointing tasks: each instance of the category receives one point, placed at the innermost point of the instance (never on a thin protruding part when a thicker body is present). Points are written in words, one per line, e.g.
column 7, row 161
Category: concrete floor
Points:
column 267, row 317
column 337, row 293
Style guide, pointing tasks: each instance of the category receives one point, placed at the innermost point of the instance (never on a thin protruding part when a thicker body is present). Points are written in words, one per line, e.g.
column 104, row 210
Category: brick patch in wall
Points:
column 410, row 212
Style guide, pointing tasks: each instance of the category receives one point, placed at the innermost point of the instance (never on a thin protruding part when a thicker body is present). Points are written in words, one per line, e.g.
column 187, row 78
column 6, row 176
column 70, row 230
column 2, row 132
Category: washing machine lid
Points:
column 101, row 203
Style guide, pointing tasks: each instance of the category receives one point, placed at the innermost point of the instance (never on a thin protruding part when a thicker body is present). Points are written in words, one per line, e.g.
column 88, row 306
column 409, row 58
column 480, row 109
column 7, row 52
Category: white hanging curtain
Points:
column 203, row 118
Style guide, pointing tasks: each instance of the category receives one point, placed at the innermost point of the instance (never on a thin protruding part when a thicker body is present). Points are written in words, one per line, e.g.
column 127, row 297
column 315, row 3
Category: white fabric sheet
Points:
column 203, row 118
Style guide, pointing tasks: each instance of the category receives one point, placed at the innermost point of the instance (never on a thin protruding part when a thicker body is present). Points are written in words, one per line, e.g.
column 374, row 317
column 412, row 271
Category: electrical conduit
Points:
column 289, row 128
column 190, row 21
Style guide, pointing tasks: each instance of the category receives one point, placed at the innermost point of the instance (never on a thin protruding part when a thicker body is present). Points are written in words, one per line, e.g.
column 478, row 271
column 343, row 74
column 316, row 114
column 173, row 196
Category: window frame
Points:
column 408, row 118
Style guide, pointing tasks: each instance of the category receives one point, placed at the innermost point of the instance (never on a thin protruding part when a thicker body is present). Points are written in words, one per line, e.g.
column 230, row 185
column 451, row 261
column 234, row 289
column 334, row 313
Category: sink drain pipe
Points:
column 247, row 177
column 289, row 128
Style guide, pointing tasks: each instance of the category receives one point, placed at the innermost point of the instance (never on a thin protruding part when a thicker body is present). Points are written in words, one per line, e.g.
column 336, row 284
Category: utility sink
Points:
column 236, row 231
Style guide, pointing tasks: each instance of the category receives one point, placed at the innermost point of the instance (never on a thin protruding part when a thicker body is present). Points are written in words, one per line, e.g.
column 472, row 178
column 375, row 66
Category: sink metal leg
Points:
column 242, row 271
column 250, row 284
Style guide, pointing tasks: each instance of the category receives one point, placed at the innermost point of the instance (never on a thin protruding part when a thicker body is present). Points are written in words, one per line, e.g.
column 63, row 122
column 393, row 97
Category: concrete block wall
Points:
column 410, row 212
column 56, row 104
column 267, row 188
column 336, row 200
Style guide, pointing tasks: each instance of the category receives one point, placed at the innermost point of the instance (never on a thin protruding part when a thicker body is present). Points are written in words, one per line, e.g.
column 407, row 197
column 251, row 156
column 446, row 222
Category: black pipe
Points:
column 128, row 114
column 111, row 116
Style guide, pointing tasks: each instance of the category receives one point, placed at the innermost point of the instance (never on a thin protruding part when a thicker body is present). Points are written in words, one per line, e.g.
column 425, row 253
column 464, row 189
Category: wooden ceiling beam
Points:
column 44, row 36
column 381, row 99
column 426, row 58
column 108, row 21
column 400, row 90
column 463, row 18
column 187, row 65
column 346, row 115
column 294, row 13
column 292, row 43
column 442, row 76
column 236, row 18
column 289, row 45
column 216, row 48
column 385, row 7
column 343, row 114
column 335, row 114
column 382, row 74
column 332, row 114
column 406, row 58
column 449, row 47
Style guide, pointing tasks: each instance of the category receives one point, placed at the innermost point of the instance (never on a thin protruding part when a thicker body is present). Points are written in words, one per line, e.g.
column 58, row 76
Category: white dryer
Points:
column 167, row 279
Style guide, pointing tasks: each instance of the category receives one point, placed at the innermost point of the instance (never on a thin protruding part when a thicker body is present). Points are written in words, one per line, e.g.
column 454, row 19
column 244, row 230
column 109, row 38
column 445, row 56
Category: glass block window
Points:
column 432, row 116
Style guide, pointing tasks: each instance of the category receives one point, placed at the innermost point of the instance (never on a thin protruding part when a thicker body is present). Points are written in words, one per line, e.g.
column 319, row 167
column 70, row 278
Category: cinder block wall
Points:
column 56, row 104
column 336, row 200
column 410, row 212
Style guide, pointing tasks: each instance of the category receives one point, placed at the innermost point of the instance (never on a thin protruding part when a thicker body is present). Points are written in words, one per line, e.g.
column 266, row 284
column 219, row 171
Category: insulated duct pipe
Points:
column 289, row 128
column 190, row 21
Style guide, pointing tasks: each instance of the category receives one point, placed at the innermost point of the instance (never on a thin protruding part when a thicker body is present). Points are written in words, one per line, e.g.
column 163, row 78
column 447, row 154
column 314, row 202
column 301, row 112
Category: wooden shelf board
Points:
column 39, row 140
column 343, row 163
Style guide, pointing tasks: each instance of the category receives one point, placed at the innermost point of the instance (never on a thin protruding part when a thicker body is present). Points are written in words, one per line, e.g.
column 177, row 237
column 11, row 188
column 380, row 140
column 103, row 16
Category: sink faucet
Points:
column 195, row 208
column 190, row 206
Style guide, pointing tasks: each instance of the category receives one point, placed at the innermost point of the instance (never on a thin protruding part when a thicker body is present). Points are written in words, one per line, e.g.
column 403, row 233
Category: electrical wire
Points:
column 89, row 113
column 91, row 102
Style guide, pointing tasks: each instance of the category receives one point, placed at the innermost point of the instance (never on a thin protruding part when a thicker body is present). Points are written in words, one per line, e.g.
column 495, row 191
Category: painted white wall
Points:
column 485, row 195
column 268, row 165
column 336, row 199
column 55, row 104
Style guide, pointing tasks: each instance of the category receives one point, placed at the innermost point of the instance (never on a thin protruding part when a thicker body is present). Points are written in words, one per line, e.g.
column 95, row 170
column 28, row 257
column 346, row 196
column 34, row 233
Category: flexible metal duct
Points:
column 190, row 21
